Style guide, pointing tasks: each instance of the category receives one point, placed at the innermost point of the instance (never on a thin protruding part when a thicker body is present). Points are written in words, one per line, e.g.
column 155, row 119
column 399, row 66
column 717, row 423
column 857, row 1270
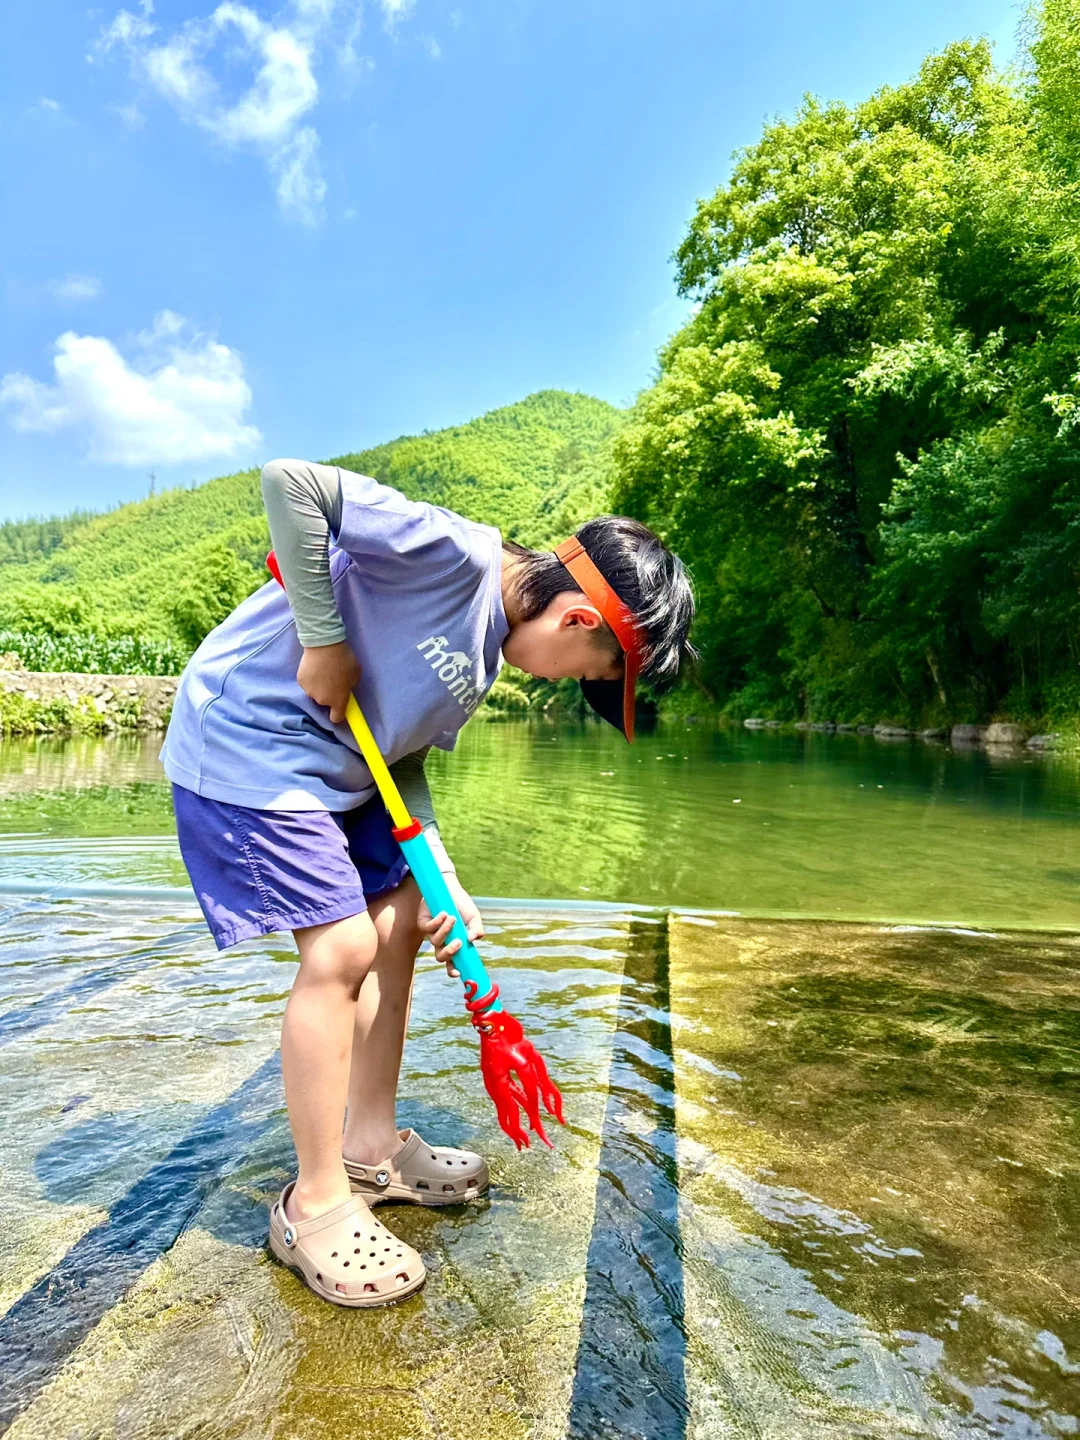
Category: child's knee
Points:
column 342, row 955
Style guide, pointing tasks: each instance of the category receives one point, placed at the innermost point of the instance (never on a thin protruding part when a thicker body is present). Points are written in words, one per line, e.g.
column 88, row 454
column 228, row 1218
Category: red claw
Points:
column 504, row 1054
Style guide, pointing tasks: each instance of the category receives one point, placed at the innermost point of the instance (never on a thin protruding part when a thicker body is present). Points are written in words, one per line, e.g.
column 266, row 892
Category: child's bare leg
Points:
column 316, row 1042
column 382, row 1017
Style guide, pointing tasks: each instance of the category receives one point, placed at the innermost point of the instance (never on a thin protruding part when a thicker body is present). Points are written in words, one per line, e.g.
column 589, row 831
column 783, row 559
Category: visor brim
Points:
column 614, row 700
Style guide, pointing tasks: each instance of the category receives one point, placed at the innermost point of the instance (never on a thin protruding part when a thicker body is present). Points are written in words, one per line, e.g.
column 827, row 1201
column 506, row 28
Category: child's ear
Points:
column 585, row 615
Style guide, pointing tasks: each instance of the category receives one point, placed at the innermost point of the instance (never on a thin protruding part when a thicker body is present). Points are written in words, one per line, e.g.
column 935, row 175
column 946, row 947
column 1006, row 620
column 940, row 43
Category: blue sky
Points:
column 241, row 230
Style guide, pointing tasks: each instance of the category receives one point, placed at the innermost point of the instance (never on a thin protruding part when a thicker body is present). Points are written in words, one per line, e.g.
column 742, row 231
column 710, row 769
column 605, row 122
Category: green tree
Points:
column 41, row 612
column 214, row 584
column 865, row 440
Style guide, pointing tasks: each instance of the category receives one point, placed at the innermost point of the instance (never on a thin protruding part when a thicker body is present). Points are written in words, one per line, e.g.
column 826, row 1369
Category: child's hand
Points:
column 438, row 929
column 329, row 674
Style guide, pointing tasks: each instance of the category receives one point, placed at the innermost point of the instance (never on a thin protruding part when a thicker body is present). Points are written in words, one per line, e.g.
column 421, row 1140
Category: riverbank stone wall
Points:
column 1000, row 736
column 123, row 702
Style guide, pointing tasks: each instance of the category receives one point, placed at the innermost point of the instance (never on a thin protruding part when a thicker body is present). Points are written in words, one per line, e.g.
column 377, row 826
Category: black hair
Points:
column 642, row 571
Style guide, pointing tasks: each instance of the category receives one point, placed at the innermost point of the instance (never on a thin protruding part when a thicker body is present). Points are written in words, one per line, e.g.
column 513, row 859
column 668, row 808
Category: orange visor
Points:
column 613, row 700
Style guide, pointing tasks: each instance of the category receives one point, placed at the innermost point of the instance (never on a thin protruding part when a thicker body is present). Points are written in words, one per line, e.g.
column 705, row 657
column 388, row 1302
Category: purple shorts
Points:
column 256, row 871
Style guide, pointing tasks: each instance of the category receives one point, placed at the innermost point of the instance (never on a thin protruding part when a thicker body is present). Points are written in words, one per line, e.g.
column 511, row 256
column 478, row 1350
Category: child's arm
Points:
column 303, row 506
column 408, row 773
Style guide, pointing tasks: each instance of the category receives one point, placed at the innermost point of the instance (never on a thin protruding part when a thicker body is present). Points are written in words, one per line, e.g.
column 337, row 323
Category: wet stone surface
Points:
column 140, row 1300
column 819, row 1180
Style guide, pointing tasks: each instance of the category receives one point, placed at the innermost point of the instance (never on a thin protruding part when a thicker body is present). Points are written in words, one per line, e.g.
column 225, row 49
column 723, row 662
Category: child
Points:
column 414, row 609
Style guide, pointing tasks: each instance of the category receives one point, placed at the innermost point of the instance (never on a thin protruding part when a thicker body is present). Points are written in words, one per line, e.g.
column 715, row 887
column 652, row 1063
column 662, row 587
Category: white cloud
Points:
column 190, row 68
column 431, row 45
column 131, row 115
column 315, row 12
column 76, row 287
column 285, row 87
column 51, row 112
column 349, row 57
column 394, row 11
column 300, row 186
column 175, row 72
column 195, row 64
column 167, row 324
column 125, row 29
column 181, row 400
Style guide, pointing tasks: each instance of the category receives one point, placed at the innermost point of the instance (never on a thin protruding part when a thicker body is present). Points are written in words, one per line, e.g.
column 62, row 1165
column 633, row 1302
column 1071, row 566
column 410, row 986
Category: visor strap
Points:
column 595, row 588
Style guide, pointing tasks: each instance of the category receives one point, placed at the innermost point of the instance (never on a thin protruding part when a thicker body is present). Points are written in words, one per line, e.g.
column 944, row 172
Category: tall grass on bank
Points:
column 90, row 654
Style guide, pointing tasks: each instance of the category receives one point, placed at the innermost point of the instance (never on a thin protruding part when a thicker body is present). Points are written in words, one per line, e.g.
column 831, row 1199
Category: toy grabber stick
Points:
column 514, row 1072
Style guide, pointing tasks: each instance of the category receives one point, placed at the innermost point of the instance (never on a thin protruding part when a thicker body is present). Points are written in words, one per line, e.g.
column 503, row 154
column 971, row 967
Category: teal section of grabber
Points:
column 436, row 892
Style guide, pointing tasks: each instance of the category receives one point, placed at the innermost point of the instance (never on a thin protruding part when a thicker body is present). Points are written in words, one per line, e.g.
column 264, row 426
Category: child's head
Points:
column 609, row 606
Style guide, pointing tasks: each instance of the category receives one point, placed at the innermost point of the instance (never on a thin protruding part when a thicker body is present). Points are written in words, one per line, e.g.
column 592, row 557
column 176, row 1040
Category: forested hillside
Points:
column 22, row 541
column 866, row 442
column 169, row 568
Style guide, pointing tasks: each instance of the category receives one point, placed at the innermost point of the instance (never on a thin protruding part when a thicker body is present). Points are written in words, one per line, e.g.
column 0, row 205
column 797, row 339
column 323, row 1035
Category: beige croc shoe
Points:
column 346, row 1247
column 421, row 1174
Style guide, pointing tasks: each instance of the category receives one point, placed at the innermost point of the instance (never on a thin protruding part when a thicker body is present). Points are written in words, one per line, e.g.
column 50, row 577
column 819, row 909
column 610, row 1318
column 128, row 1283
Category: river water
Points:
column 820, row 1177
column 764, row 823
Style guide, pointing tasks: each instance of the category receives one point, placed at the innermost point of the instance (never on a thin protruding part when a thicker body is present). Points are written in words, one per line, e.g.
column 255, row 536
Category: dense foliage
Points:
column 866, row 440
column 24, row 540
column 133, row 571
column 90, row 653
column 153, row 577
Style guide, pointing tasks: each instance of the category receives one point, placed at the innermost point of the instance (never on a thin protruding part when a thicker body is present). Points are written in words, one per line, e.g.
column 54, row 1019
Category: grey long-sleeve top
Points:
column 304, row 509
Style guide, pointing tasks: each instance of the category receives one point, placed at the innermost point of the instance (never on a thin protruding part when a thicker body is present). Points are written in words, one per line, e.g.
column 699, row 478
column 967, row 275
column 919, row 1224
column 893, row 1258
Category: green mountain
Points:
column 168, row 568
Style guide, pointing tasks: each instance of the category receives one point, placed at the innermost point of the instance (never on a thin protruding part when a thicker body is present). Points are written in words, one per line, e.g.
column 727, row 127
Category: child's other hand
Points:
column 438, row 929
column 329, row 674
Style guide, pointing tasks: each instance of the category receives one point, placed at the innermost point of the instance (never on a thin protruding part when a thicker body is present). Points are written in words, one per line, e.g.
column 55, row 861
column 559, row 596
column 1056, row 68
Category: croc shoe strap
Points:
column 296, row 1231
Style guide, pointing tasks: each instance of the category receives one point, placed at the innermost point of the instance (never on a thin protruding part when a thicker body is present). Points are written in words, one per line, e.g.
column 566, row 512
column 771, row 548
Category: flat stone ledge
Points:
column 1001, row 735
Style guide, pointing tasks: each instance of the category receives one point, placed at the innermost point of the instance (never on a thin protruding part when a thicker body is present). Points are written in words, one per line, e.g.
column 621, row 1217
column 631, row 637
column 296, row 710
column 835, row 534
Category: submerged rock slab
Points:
column 212, row 1336
column 878, row 1161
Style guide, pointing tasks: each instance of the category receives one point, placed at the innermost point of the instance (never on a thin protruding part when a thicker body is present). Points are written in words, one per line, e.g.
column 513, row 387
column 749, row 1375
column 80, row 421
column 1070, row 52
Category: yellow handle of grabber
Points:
column 380, row 773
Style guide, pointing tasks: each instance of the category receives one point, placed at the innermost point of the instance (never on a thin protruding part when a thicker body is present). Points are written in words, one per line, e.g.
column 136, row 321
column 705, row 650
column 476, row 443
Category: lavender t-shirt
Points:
column 420, row 592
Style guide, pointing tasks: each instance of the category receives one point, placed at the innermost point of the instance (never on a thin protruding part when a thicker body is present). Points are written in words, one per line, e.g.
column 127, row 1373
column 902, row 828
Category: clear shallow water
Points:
column 828, row 825
column 820, row 1180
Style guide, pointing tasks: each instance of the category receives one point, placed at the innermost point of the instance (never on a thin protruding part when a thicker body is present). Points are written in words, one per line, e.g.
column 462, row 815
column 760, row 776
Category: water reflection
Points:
column 837, row 826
